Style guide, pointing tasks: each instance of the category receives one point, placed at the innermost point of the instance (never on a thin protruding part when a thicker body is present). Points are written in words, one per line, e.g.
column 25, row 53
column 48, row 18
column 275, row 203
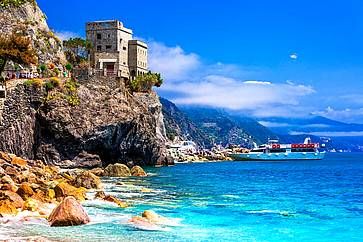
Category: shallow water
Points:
column 230, row 201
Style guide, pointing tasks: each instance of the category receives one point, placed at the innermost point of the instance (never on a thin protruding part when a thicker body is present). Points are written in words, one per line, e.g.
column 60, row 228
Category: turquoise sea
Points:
column 230, row 201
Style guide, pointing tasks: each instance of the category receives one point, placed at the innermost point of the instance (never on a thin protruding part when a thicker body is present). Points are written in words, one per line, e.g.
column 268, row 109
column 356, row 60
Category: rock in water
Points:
column 68, row 213
column 117, row 170
column 64, row 189
column 87, row 180
column 138, row 171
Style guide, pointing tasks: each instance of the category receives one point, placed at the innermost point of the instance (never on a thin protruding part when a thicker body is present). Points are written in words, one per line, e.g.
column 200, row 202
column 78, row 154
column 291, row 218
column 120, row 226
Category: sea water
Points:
column 228, row 201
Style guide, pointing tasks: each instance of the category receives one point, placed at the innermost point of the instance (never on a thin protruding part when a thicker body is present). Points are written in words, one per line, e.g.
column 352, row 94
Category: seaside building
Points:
column 114, row 51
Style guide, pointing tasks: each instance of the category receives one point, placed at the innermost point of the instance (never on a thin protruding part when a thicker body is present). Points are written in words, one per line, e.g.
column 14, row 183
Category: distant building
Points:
column 114, row 51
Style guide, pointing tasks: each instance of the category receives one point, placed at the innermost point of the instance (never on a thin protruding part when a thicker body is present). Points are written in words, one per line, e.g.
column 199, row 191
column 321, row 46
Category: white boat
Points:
column 273, row 150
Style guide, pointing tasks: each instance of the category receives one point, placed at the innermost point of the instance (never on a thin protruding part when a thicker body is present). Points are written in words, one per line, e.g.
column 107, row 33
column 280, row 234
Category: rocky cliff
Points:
column 25, row 15
column 108, row 125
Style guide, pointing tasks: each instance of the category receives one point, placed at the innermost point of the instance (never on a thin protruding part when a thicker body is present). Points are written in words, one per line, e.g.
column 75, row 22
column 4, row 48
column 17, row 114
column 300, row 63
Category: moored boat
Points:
column 273, row 150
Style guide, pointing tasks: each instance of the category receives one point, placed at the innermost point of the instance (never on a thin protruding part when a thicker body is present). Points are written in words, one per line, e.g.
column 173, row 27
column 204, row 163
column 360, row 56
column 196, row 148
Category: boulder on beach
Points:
column 138, row 171
column 88, row 180
column 25, row 190
column 64, row 189
column 7, row 208
column 117, row 170
column 86, row 160
column 68, row 213
column 97, row 171
column 19, row 161
column 13, row 197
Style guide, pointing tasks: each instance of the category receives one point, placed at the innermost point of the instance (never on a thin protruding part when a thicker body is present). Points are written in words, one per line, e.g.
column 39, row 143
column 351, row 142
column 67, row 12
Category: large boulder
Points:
column 88, row 180
column 117, row 170
column 7, row 208
column 13, row 197
column 138, row 171
column 153, row 217
column 19, row 161
column 64, row 189
column 68, row 213
column 25, row 190
column 86, row 160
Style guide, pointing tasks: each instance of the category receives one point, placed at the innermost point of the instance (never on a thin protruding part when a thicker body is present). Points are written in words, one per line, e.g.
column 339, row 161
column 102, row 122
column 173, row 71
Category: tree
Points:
column 144, row 83
column 76, row 50
column 16, row 48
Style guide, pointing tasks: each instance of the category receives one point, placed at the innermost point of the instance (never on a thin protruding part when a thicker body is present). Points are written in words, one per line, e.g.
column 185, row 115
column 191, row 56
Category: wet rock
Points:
column 98, row 172
column 19, row 161
column 100, row 195
column 7, row 208
column 87, row 180
column 8, row 184
column 68, row 213
column 64, row 189
column 25, row 191
column 138, row 171
column 86, row 160
column 13, row 197
column 109, row 198
column 153, row 217
column 117, row 170
column 31, row 205
column 4, row 156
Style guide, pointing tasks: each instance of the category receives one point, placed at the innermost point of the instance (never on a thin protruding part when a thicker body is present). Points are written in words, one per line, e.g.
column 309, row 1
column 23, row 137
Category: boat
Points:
column 273, row 150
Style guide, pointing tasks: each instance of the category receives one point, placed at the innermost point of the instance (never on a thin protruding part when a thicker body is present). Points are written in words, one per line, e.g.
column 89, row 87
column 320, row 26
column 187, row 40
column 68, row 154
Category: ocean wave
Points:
column 266, row 211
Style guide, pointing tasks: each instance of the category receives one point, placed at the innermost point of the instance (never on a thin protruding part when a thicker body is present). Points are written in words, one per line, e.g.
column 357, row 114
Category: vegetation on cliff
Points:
column 15, row 3
column 144, row 83
column 16, row 48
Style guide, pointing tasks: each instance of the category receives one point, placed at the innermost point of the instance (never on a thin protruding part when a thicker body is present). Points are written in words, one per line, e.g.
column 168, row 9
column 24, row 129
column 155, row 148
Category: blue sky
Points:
column 210, row 52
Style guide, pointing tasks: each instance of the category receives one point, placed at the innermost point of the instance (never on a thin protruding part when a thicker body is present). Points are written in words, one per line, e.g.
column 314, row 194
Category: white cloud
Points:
column 65, row 35
column 225, row 92
column 293, row 56
column 331, row 134
column 345, row 115
column 221, row 85
column 172, row 62
column 273, row 124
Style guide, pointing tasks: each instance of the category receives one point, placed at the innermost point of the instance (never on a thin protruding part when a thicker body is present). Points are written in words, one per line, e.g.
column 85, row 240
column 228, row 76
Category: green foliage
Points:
column 42, row 68
column 14, row 3
column 76, row 50
column 71, row 94
column 69, row 67
column 144, row 83
column 37, row 83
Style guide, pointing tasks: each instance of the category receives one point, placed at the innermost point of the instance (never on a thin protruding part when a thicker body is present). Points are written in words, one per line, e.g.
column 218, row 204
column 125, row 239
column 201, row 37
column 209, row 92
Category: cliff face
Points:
column 29, row 17
column 108, row 122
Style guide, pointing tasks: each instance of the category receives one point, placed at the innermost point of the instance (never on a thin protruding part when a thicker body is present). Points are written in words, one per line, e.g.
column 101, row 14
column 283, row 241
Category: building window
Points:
column 124, row 48
column 108, row 47
column 99, row 47
column 99, row 36
column 108, row 36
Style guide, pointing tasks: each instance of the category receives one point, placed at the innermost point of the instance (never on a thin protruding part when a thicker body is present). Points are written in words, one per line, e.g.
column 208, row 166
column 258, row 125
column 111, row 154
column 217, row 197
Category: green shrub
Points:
column 56, row 82
column 68, row 67
column 49, row 85
column 145, row 82
column 37, row 83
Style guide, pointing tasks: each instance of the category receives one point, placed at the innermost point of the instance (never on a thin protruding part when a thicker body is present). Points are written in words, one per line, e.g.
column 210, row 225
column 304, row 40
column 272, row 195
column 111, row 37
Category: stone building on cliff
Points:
column 114, row 51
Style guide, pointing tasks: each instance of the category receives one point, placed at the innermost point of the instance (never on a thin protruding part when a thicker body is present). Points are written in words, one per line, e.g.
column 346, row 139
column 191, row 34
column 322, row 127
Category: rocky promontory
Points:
column 95, row 125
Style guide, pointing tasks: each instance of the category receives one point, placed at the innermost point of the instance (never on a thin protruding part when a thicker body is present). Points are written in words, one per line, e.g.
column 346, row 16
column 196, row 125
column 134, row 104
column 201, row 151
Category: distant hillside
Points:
column 177, row 124
column 223, row 128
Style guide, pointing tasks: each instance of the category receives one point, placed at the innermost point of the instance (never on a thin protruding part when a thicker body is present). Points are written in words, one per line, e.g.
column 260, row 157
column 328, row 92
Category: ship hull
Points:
column 278, row 156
